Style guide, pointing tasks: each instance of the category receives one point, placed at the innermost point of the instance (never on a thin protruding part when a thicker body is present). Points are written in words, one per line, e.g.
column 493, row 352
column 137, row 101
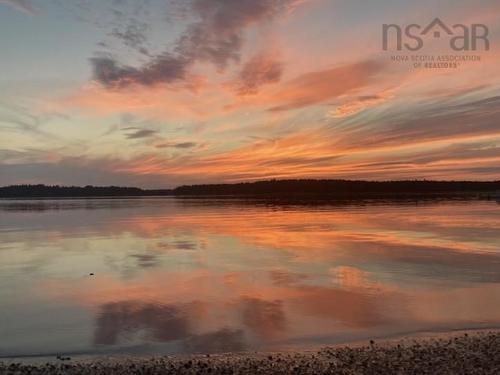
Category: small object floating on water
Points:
column 91, row 274
column 63, row 358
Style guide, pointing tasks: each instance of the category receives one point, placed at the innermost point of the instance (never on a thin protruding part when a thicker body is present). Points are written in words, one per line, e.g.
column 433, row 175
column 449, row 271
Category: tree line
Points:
column 340, row 188
column 285, row 188
column 19, row 191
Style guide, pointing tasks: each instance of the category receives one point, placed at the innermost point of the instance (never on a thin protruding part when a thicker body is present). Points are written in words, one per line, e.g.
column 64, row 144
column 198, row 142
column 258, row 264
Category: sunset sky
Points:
column 158, row 93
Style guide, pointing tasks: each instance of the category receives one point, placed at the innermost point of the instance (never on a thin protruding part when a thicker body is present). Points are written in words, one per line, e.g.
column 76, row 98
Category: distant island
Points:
column 307, row 188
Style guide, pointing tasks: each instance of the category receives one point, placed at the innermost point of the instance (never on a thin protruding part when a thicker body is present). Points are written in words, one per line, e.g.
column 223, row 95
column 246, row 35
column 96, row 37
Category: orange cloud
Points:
column 315, row 87
column 357, row 105
column 172, row 102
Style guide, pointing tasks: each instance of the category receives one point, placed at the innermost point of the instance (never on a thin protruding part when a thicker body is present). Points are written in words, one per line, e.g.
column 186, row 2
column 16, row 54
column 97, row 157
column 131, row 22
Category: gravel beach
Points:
column 475, row 353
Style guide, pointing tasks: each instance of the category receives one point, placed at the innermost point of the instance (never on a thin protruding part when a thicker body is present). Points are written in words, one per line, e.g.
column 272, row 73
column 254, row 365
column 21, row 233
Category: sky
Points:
column 160, row 93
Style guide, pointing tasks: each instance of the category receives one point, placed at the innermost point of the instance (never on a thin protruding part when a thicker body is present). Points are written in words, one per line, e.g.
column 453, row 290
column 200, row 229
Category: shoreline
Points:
column 306, row 189
column 447, row 352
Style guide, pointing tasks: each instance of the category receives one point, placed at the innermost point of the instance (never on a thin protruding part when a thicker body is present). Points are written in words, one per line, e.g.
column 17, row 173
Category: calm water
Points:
column 193, row 275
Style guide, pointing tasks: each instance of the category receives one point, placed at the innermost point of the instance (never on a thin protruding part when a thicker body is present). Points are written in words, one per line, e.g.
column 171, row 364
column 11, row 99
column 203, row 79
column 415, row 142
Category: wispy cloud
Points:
column 164, row 68
column 136, row 133
column 317, row 87
column 357, row 105
column 182, row 145
column 215, row 36
column 260, row 70
column 22, row 5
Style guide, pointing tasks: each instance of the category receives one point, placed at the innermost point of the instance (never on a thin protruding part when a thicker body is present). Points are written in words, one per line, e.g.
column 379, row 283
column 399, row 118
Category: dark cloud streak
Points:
column 177, row 145
column 261, row 70
column 141, row 133
column 216, row 36
column 162, row 69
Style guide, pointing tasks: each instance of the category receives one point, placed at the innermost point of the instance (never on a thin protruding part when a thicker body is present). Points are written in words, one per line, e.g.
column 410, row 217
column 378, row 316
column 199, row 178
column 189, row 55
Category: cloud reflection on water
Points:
column 231, row 277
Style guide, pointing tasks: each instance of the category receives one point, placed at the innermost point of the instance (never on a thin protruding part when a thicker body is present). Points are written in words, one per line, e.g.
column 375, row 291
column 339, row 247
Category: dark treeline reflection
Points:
column 198, row 202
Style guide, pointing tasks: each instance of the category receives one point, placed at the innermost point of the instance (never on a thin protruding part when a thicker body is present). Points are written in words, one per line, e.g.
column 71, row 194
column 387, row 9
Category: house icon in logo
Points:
column 436, row 24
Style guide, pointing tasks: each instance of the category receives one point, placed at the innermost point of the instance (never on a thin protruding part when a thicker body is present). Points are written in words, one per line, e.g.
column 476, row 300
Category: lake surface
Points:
column 174, row 275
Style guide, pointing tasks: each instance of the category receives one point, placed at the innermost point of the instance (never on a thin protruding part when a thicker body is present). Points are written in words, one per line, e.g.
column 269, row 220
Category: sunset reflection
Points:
column 187, row 276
